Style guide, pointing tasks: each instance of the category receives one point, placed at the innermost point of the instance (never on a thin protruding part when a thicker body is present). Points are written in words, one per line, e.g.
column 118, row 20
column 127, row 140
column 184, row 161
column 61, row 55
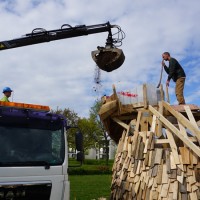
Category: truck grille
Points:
column 25, row 191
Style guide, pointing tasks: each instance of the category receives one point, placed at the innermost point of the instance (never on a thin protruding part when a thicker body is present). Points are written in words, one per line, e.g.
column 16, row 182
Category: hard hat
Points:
column 7, row 89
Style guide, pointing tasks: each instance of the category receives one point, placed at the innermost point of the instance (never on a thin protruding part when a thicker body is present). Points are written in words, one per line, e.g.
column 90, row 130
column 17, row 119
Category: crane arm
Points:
column 108, row 58
column 40, row 35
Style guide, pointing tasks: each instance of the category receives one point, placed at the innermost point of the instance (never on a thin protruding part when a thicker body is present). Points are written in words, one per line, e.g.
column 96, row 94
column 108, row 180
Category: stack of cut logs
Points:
column 152, row 165
column 144, row 171
column 158, row 149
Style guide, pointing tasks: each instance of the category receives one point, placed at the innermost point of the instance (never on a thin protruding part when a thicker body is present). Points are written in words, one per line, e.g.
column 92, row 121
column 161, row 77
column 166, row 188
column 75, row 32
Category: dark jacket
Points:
column 174, row 71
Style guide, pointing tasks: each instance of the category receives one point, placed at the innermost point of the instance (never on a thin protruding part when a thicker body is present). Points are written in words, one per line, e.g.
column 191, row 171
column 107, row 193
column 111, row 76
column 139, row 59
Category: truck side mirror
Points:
column 79, row 141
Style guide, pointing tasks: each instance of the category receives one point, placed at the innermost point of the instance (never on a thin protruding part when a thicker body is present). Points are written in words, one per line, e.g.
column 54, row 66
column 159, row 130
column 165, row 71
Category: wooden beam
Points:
column 170, row 126
column 159, row 129
column 167, row 94
column 145, row 95
column 121, row 123
column 162, row 141
column 184, row 121
column 161, row 92
column 153, row 125
column 173, row 147
column 138, row 121
column 116, row 97
column 191, row 117
column 106, row 108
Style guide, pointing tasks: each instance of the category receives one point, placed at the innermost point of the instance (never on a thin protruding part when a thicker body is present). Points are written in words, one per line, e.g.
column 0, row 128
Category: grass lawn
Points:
column 87, row 187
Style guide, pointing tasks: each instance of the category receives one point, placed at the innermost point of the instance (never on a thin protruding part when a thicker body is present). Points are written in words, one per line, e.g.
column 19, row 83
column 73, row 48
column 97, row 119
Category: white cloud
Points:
column 61, row 73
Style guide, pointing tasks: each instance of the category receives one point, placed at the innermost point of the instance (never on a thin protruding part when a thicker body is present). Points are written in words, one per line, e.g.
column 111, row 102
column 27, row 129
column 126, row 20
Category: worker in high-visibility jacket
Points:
column 7, row 93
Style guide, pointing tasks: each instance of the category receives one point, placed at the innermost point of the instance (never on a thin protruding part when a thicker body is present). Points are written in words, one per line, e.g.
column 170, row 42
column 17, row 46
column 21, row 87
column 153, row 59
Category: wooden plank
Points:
column 138, row 167
column 141, row 150
column 182, row 129
column 155, row 171
column 172, row 161
column 159, row 173
column 151, row 180
column 180, row 178
column 139, row 140
column 162, row 141
column 164, row 174
column 107, row 107
column 185, row 155
column 125, row 146
column 168, row 165
column 146, row 144
column 116, row 97
column 153, row 126
column 167, row 94
column 146, row 160
column 161, row 92
column 138, row 121
column 144, row 125
column 155, row 195
column 173, row 174
column 150, row 158
column 193, row 158
column 183, row 187
column 170, row 126
column 159, row 129
column 134, row 142
column 191, row 179
column 173, row 147
column 145, row 95
column 158, row 157
column 181, row 163
column 190, row 116
column 164, row 190
column 193, row 196
column 153, row 158
column 150, row 141
column 175, row 190
column 152, row 144
column 183, row 120
column 120, row 123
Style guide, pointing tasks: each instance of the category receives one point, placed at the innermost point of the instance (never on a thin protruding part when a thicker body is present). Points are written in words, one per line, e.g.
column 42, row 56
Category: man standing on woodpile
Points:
column 177, row 74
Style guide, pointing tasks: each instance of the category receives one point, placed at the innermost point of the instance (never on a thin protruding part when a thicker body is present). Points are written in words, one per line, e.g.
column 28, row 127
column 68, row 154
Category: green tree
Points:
column 86, row 125
column 88, row 129
column 100, row 134
column 72, row 120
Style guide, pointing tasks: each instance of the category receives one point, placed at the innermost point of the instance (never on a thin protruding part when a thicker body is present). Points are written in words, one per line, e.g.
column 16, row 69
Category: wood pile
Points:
column 157, row 158
column 157, row 165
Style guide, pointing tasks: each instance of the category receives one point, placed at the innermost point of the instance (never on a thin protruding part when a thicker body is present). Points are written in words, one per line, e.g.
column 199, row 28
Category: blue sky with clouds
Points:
column 61, row 73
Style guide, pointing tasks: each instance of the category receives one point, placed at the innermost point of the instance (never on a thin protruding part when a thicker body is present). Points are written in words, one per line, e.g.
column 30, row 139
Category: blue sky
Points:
column 61, row 73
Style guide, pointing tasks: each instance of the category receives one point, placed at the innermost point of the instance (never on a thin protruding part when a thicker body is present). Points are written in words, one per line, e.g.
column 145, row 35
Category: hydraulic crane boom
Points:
column 105, row 58
column 40, row 35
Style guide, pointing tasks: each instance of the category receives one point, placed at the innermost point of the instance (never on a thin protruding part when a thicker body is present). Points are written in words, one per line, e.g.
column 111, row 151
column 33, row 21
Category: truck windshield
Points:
column 31, row 147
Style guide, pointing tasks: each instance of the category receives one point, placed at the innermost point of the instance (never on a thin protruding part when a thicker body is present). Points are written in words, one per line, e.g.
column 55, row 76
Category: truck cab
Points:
column 33, row 153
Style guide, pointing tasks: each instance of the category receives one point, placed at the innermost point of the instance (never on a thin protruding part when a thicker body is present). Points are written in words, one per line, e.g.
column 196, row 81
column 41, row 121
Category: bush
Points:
column 90, row 167
column 94, row 170
column 97, row 162
column 98, row 171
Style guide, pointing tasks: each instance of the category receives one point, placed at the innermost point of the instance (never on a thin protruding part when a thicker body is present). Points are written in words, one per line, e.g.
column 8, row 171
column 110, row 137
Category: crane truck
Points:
column 33, row 141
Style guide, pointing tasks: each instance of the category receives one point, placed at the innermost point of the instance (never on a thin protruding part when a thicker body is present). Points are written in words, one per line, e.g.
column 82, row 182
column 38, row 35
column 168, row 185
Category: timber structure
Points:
column 158, row 148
